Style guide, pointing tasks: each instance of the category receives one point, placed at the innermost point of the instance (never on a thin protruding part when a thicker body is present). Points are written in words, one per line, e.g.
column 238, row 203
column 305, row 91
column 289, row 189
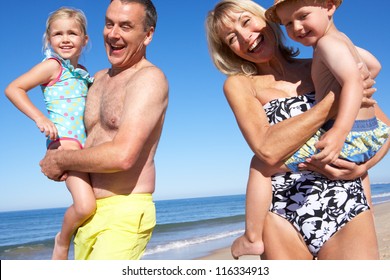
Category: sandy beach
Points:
column 382, row 223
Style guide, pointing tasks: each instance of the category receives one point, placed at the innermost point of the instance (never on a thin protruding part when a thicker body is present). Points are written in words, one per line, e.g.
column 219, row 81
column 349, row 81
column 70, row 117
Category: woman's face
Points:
column 249, row 37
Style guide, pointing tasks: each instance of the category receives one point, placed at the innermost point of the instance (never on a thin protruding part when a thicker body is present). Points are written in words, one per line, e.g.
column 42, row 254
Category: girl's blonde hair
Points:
column 67, row 13
column 223, row 57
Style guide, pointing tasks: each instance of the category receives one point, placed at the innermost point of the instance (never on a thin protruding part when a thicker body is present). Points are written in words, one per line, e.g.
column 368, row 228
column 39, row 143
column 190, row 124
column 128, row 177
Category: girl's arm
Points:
column 17, row 90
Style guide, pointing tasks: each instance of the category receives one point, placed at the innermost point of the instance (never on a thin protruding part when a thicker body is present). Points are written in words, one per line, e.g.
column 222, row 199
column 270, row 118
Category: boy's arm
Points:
column 346, row 170
column 329, row 50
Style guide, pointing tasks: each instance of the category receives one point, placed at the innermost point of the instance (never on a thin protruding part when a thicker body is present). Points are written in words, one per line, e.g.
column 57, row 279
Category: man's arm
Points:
column 143, row 111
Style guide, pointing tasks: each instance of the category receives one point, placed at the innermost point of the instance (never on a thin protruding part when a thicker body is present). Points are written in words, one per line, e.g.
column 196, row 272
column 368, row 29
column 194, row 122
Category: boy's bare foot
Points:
column 60, row 251
column 243, row 246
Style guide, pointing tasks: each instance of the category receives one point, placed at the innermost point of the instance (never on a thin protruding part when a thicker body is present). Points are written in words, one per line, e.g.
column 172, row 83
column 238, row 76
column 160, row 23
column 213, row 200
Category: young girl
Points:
column 356, row 134
column 64, row 84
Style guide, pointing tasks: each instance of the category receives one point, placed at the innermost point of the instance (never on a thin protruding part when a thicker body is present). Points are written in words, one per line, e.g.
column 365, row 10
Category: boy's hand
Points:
column 330, row 146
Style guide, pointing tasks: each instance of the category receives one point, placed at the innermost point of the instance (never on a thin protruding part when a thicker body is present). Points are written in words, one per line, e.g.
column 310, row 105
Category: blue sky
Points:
column 201, row 152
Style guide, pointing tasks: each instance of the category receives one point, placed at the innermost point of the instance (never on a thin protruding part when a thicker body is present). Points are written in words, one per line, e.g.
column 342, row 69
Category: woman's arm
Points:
column 272, row 144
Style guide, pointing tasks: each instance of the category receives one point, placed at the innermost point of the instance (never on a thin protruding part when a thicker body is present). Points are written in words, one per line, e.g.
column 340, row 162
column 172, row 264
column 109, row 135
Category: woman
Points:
column 267, row 84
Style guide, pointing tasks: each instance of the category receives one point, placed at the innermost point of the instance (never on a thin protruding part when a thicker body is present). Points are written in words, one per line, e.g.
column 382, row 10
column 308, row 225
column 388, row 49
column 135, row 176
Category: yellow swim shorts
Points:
column 120, row 229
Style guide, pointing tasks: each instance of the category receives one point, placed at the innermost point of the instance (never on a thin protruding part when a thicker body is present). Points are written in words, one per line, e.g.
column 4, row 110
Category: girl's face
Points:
column 67, row 39
column 305, row 23
column 249, row 37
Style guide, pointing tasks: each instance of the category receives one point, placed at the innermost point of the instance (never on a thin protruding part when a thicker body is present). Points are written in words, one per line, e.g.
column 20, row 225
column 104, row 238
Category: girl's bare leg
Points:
column 84, row 205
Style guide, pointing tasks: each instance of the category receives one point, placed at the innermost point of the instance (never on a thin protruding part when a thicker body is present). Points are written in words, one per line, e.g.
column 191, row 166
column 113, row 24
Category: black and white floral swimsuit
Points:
column 316, row 206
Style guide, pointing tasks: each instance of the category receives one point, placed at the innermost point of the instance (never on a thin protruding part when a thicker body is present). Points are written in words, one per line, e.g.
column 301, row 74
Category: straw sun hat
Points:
column 270, row 14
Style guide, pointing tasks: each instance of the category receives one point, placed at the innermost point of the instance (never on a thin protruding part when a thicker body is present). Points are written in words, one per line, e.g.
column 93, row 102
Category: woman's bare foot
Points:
column 60, row 251
column 243, row 246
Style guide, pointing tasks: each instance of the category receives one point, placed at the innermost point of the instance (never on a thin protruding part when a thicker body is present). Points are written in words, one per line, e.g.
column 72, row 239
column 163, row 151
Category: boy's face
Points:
column 305, row 21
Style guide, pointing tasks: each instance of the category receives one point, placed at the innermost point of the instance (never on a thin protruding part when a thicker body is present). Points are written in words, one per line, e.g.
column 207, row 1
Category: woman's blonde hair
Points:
column 64, row 12
column 223, row 57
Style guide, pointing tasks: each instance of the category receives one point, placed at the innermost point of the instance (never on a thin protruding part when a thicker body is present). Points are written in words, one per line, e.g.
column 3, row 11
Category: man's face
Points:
column 124, row 33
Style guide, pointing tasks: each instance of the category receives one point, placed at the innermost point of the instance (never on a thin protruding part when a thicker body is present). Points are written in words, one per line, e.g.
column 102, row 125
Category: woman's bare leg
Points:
column 355, row 241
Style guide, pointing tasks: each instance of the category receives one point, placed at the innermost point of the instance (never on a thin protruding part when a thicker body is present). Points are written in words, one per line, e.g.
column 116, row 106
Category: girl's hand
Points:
column 46, row 126
column 339, row 170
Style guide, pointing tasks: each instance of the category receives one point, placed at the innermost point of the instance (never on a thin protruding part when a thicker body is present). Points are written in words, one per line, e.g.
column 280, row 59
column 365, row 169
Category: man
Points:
column 124, row 117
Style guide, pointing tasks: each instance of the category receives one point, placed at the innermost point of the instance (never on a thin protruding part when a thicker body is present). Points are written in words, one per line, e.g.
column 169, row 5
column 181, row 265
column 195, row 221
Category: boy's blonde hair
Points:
column 271, row 15
column 67, row 13
column 223, row 57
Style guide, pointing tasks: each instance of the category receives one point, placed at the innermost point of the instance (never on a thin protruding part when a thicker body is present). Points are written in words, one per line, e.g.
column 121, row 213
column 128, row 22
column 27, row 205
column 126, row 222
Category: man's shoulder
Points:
column 148, row 71
column 100, row 74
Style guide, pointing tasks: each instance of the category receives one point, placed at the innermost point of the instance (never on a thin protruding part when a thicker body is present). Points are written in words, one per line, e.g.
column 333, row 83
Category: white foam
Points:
column 189, row 242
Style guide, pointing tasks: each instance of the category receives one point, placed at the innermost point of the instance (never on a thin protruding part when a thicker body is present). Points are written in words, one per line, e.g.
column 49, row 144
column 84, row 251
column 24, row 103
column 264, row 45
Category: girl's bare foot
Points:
column 243, row 246
column 60, row 251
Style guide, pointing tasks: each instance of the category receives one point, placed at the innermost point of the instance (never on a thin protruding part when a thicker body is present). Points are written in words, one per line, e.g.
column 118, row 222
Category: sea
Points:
column 186, row 228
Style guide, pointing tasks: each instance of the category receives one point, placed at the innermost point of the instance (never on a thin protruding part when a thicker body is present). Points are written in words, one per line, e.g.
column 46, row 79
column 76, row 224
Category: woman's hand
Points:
column 339, row 170
column 368, row 90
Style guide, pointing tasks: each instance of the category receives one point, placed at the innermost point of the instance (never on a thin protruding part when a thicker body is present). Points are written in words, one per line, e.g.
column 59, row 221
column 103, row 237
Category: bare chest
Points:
column 104, row 106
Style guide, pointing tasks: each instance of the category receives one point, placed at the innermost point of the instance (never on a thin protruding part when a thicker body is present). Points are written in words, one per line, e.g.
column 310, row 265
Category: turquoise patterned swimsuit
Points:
column 65, row 100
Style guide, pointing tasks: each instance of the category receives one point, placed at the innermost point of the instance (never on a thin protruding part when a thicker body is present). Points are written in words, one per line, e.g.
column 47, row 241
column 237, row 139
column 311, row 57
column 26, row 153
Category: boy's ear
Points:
column 331, row 7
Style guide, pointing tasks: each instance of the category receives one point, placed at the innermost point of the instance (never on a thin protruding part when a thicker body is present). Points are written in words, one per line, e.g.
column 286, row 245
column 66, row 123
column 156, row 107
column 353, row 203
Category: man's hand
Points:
column 50, row 167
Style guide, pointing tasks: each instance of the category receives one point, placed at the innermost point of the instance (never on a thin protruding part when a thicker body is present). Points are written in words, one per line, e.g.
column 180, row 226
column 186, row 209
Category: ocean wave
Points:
column 203, row 223
column 189, row 242
column 381, row 195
